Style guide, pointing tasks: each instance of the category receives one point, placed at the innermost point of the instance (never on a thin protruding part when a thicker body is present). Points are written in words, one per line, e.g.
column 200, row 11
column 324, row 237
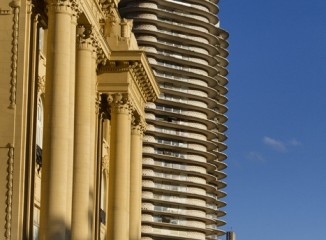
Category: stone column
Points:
column 82, row 141
column 56, row 124
column 136, row 178
column 94, row 111
column 71, row 120
column 119, row 175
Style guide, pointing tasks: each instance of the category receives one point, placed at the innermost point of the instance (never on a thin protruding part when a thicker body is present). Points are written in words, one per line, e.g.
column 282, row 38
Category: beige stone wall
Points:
column 13, row 100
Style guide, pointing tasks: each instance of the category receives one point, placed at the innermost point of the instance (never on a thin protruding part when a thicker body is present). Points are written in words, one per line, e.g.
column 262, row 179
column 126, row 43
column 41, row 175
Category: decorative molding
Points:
column 9, row 193
column 93, row 10
column 41, row 85
column 14, row 50
column 76, row 8
column 115, row 66
column 137, row 70
column 107, row 7
column 143, row 81
column 5, row 11
column 105, row 164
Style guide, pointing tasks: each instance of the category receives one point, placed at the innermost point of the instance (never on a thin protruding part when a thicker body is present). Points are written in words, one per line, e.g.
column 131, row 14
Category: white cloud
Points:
column 275, row 144
column 294, row 142
column 255, row 156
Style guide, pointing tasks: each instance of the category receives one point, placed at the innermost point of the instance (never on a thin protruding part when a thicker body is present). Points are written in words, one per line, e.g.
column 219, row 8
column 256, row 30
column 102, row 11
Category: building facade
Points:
column 73, row 88
column 77, row 94
column 183, row 157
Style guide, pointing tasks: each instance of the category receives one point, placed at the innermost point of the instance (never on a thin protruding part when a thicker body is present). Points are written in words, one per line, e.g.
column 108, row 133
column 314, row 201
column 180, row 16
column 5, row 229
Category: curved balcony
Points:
column 202, row 8
column 194, row 192
column 216, row 82
column 211, row 177
column 176, row 135
column 192, row 97
column 190, row 217
column 190, row 84
column 160, row 233
column 170, row 158
column 192, row 204
column 180, row 114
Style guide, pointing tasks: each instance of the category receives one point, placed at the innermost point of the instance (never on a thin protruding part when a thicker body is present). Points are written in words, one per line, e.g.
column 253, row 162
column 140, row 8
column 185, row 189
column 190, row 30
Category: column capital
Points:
column 71, row 7
column 138, row 125
column 120, row 103
column 84, row 40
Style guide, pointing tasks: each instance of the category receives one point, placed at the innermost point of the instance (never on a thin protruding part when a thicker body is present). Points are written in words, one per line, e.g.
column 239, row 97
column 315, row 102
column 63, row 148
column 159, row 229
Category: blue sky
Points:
column 277, row 117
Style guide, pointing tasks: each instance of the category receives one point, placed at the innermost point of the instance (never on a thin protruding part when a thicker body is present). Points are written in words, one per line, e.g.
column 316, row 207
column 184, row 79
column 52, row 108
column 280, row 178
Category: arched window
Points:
column 103, row 198
column 39, row 133
column 39, row 123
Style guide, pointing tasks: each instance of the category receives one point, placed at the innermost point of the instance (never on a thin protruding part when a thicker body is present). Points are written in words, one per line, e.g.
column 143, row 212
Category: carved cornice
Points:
column 120, row 103
column 136, row 63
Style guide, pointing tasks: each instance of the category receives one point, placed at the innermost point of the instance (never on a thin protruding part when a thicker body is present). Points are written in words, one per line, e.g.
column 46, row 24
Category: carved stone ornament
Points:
column 41, row 84
column 14, row 50
column 120, row 103
column 66, row 6
column 105, row 163
column 138, row 125
column 9, row 193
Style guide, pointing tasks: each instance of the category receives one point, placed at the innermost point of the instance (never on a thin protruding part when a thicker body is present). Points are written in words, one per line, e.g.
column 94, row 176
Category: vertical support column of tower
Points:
column 56, row 124
column 137, row 131
column 119, row 175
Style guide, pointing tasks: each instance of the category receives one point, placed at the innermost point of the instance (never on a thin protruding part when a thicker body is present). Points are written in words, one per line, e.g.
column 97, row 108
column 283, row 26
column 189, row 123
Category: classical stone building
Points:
column 73, row 88
column 183, row 157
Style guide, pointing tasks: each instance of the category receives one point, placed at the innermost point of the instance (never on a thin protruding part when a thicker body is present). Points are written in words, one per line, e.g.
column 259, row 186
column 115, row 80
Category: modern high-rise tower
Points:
column 183, row 157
